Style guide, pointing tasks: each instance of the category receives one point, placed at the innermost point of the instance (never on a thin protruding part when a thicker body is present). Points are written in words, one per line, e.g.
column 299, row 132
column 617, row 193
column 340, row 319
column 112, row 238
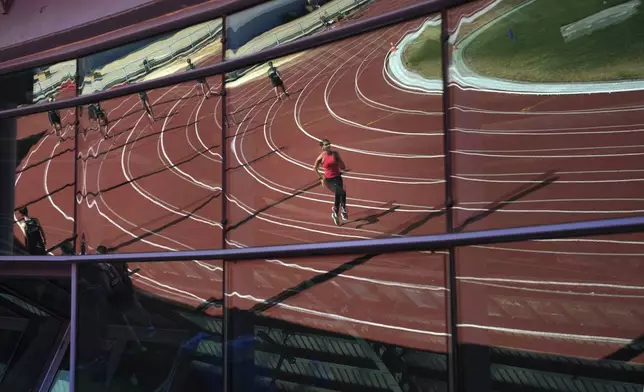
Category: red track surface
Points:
column 161, row 180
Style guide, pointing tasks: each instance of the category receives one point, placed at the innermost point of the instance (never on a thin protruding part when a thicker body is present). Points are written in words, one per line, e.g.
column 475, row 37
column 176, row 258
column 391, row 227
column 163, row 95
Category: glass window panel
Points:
column 379, row 114
column 546, row 111
column 339, row 323
column 552, row 312
column 152, row 182
column 159, row 327
column 43, row 212
column 152, row 58
column 275, row 23
column 37, row 85
column 34, row 326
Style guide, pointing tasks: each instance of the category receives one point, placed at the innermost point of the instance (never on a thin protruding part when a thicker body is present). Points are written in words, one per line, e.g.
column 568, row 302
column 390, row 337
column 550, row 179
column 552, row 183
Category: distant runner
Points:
column 35, row 240
column 143, row 96
column 97, row 114
column 333, row 166
column 54, row 120
column 205, row 87
column 276, row 79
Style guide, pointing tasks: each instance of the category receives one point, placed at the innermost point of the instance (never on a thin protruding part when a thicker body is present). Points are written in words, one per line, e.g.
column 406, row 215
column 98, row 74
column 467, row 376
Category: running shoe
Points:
column 345, row 214
column 334, row 215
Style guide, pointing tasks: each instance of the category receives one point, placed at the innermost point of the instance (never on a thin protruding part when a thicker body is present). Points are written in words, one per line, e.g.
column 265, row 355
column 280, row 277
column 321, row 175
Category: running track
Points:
column 156, row 186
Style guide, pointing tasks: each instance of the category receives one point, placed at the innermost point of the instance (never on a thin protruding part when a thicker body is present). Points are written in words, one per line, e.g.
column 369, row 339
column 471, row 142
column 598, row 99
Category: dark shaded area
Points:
column 628, row 352
column 24, row 145
column 375, row 217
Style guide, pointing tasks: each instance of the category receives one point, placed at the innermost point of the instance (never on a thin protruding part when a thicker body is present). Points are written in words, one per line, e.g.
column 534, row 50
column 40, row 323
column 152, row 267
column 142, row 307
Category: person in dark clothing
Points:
column 205, row 87
column 145, row 101
column 276, row 80
column 35, row 240
column 97, row 114
column 54, row 120
column 333, row 166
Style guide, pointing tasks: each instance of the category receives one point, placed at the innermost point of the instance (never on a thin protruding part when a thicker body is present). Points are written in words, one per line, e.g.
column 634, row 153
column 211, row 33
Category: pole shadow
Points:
column 545, row 179
column 165, row 226
column 146, row 175
column 256, row 159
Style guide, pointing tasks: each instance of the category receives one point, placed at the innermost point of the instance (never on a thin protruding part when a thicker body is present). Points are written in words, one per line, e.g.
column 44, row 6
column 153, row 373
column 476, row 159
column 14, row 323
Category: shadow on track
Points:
column 325, row 277
column 545, row 179
column 113, row 148
column 165, row 226
column 375, row 217
column 146, row 175
column 258, row 103
column 628, row 352
column 24, row 145
column 257, row 159
column 306, row 188
column 57, row 190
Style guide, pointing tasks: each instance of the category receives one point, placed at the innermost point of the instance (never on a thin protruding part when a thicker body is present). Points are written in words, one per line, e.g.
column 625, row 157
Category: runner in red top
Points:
column 333, row 166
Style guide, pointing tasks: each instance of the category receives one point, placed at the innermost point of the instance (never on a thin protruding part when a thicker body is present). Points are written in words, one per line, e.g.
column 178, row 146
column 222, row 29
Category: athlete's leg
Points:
column 341, row 192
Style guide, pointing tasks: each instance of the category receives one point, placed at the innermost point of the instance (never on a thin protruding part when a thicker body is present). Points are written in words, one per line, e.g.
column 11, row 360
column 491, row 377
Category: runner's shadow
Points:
column 545, row 179
column 375, row 218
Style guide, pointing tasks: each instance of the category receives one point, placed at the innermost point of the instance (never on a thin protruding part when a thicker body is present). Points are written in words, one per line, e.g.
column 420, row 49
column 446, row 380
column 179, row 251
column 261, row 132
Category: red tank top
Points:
column 330, row 165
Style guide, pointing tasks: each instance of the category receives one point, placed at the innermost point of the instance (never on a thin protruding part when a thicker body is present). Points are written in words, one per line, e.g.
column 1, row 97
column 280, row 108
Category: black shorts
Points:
column 277, row 81
column 336, row 184
column 54, row 118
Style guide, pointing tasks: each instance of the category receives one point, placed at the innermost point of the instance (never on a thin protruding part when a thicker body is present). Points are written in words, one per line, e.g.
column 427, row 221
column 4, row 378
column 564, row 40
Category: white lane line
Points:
column 615, row 110
column 337, row 317
column 544, row 133
column 553, row 252
column 547, row 156
column 552, row 283
column 556, row 292
column 553, row 335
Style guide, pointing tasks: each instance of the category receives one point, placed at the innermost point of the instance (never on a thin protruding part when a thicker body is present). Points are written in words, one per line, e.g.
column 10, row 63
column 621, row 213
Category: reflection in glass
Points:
column 277, row 22
column 150, row 326
column 149, row 169
column 546, row 111
column 359, row 96
column 34, row 330
column 152, row 58
column 552, row 312
column 379, row 321
column 55, row 82
column 44, row 182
